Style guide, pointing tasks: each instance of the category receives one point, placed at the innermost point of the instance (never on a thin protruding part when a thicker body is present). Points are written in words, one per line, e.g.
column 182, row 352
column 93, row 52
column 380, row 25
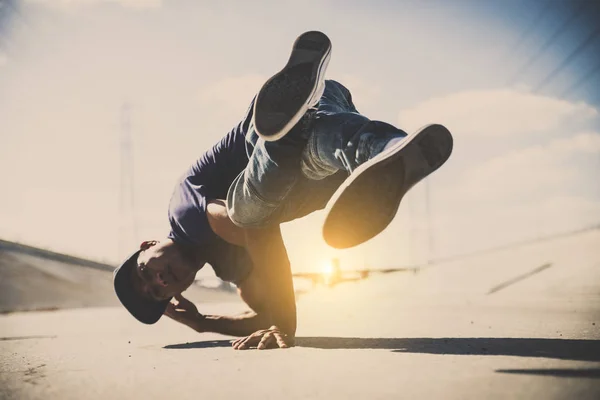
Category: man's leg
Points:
column 286, row 97
column 383, row 163
column 266, row 191
column 342, row 138
column 256, row 197
column 339, row 139
column 279, row 133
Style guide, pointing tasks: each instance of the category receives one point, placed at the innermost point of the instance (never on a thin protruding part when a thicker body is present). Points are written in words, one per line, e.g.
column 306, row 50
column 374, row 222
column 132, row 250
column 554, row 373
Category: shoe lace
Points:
column 342, row 155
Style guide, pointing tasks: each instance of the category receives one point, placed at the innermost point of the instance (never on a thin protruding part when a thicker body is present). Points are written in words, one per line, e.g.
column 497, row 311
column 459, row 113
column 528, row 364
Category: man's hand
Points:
column 184, row 311
column 265, row 339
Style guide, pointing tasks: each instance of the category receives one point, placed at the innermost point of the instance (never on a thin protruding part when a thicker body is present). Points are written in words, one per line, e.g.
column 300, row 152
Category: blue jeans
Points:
column 298, row 174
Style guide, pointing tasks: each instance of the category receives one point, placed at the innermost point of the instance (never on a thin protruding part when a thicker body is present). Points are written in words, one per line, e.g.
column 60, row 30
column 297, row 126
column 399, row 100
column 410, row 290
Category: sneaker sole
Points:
column 366, row 203
column 288, row 95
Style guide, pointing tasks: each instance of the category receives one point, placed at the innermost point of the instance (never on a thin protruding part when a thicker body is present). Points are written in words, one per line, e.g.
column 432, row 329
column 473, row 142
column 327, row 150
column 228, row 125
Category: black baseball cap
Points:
column 143, row 309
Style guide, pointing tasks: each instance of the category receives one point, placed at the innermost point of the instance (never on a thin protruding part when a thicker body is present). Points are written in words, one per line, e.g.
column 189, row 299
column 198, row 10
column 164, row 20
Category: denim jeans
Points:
column 298, row 174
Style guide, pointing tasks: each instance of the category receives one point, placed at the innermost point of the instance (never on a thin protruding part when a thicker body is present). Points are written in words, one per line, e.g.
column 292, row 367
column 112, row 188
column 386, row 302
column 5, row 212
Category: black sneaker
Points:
column 366, row 203
column 286, row 97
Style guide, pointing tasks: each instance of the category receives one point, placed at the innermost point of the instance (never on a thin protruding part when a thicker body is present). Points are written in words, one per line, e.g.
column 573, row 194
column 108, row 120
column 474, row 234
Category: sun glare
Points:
column 327, row 268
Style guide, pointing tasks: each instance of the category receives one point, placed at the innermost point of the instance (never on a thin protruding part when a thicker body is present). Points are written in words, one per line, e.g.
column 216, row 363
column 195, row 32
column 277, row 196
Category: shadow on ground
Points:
column 562, row 349
column 557, row 372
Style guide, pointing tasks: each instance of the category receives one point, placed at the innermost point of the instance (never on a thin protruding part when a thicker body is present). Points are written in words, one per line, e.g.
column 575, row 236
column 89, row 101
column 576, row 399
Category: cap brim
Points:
column 143, row 309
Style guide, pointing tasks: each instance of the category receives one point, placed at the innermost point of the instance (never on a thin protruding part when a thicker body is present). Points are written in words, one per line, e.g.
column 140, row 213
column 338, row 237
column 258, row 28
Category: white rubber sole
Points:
column 365, row 204
column 314, row 97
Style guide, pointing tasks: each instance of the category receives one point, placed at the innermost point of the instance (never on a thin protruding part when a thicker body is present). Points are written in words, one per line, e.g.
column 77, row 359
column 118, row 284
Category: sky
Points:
column 515, row 81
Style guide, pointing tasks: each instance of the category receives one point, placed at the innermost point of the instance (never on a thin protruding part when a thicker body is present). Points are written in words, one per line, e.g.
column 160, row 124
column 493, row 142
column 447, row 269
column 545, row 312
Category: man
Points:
column 301, row 145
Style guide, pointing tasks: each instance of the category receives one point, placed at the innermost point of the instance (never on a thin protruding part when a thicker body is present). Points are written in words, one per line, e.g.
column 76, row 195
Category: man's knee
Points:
column 250, row 215
column 248, row 210
column 312, row 166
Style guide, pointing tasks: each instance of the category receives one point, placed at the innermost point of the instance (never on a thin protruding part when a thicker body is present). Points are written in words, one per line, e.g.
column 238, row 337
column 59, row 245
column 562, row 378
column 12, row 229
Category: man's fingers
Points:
column 178, row 297
column 172, row 314
column 250, row 341
column 246, row 343
column 173, row 304
column 170, row 309
column 281, row 341
column 240, row 342
column 271, row 343
column 266, row 341
column 257, row 334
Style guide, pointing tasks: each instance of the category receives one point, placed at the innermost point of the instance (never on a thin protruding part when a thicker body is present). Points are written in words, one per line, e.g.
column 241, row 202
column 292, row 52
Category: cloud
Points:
column 77, row 3
column 492, row 171
column 524, row 165
column 494, row 113
column 480, row 229
column 529, row 170
column 3, row 59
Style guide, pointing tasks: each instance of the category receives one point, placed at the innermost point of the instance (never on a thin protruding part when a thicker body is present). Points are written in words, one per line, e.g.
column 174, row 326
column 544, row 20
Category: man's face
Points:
column 163, row 270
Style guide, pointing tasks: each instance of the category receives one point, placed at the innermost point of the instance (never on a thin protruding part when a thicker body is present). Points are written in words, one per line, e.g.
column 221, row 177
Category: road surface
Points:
column 519, row 323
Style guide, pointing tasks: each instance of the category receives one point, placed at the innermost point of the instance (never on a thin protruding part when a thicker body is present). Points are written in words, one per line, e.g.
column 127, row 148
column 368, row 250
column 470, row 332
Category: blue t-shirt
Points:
column 209, row 178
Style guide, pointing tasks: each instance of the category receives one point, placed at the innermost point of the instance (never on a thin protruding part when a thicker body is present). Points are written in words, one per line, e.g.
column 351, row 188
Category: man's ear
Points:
column 147, row 244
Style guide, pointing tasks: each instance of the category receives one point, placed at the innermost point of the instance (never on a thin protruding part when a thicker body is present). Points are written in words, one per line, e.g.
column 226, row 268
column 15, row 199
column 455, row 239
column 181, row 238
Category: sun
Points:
column 327, row 268
column 330, row 272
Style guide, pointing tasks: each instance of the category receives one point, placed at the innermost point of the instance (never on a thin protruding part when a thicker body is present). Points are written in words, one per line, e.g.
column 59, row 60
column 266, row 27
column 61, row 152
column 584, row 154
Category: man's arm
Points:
column 273, row 276
column 184, row 311
column 253, row 294
column 269, row 289
column 241, row 325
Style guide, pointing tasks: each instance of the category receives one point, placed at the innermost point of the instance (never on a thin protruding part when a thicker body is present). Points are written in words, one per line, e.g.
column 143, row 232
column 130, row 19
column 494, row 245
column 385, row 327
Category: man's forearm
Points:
column 282, row 307
column 240, row 325
column 272, row 267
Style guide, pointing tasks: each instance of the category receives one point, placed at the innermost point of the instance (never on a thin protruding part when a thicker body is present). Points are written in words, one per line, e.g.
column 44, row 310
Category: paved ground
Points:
column 521, row 323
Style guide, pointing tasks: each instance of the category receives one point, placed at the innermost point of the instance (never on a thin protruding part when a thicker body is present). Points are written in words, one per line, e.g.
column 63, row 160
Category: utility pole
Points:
column 429, row 222
column 127, row 220
column 411, row 232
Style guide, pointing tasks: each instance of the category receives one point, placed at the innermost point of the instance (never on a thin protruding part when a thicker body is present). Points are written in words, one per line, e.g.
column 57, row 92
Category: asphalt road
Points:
column 520, row 323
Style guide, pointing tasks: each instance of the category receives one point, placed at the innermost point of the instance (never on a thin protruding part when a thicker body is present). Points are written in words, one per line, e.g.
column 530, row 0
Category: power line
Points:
column 430, row 248
column 128, row 226
column 581, row 80
column 529, row 29
column 548, row 42
column 567, row 60
column 506, row 246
